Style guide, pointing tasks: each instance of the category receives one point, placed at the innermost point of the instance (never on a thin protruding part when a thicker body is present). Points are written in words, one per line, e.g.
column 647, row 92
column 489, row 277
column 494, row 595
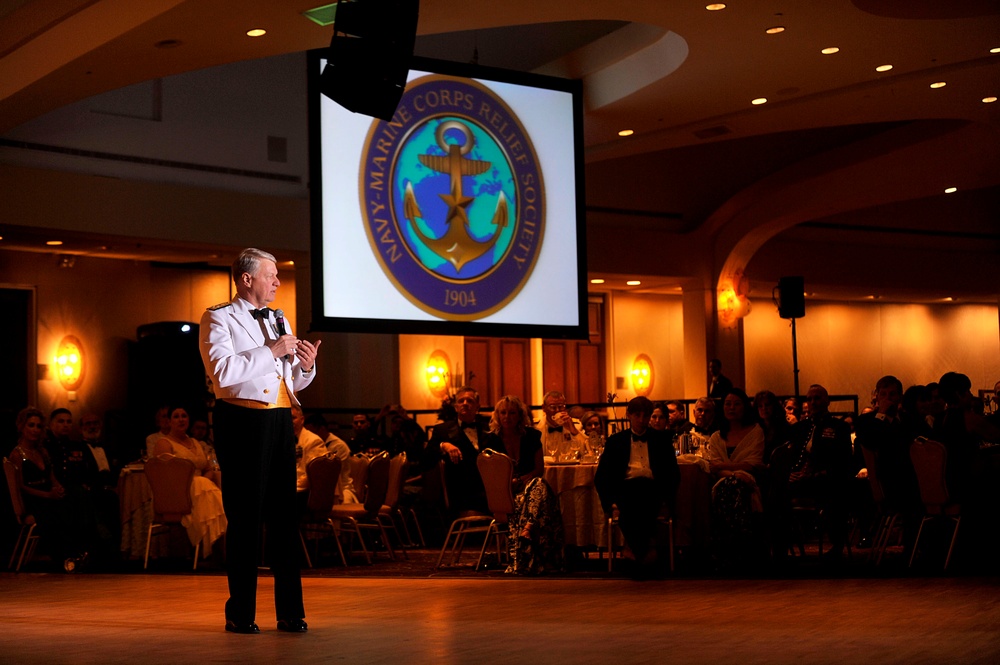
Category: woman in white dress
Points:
column 207, row 521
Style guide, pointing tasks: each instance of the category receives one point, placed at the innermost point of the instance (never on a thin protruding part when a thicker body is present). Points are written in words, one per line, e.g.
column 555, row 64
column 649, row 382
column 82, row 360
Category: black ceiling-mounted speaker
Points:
column 369, row 55
column 791, row 298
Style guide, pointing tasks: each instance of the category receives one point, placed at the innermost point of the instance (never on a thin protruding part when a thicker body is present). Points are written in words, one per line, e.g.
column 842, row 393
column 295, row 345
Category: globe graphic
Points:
column 429, row 184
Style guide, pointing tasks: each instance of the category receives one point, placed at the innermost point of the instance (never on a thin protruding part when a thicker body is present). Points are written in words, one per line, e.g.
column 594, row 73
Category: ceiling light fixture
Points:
column 989, row 100
column 951, row 190
column 53, row 243
column 938, row 84
column 626, row 132
column 759, row 101
column 597, row 281
column 633, row 282
column 883, row 68
column 830, row 50
column 256, row 32
column 715, row 6
column 775, row 30
column 995, row 50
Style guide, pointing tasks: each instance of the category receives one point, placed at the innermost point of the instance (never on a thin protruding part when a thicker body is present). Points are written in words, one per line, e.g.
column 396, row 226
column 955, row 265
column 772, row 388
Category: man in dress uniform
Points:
column 257, row 366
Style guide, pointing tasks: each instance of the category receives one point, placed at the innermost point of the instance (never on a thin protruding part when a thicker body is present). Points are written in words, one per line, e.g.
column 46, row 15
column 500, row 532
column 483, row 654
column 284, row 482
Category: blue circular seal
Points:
column 453, row 199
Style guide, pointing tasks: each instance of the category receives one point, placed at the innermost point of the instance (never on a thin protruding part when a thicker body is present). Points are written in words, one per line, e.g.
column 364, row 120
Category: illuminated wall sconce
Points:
column 733, row 301
column 642, row 375
column 438, row 373
column 68, row 363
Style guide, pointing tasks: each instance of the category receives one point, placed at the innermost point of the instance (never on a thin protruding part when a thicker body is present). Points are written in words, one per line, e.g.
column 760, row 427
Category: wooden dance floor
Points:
column 158, row 618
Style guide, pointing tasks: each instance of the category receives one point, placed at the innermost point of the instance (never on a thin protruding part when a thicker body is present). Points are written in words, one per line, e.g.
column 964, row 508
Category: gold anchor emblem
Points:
column 456, row 245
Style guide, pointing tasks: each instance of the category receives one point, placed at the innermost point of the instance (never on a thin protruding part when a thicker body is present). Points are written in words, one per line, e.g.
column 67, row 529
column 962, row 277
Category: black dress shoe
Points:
column 249, row 628
column 292, row 625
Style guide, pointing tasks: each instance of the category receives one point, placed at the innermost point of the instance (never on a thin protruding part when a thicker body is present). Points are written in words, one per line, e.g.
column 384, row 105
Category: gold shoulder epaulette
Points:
column 219, row 306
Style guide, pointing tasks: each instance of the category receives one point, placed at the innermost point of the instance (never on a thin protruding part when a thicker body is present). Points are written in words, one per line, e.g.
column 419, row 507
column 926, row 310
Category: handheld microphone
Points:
column 279, row 323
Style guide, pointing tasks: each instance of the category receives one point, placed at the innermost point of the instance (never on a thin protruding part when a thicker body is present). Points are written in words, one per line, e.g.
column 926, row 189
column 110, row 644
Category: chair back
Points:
column 170, row 480
column 497, row 471
column 397, row 476
column 323, row 473
column 14, row 485
column 929, row 461
column 871, row 463
column 378, row 483
column 359, row 474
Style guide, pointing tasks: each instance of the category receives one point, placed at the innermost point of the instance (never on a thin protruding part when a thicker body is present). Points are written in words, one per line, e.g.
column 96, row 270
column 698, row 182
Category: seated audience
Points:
column 398, row 433
column 771, row 418
column 162, row 420
column 362, row 434
column 536, row 541
column 677, row 422
column 793, row 410
column 562, row 435
column 704, row 417
column 207, row 521
column 308, row 447
column 458, row 443
column 317, row 424
column 637, row 478
column 659, row 420
column 817, row 468
column 65, row 529
column 735, row 452
column 593, row 429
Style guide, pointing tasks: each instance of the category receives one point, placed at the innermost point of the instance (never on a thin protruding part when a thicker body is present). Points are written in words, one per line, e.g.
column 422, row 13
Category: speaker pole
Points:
column 795, row 360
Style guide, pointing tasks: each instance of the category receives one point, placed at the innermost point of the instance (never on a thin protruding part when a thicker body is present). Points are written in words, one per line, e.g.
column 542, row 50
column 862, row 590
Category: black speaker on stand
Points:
column 790, row 298
column 369, row 55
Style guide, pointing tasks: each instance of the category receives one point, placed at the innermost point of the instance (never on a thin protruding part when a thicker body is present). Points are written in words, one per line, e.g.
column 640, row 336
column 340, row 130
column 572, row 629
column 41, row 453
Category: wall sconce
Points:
column 733, row 301
column 438, row 373
column 69, row 363
column 642, row 375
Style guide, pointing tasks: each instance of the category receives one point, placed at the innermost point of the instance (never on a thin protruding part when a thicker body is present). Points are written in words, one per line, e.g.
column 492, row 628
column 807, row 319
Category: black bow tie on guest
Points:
column 471, row 425
column 260, row 313
column 639, row 437
column 555, row 429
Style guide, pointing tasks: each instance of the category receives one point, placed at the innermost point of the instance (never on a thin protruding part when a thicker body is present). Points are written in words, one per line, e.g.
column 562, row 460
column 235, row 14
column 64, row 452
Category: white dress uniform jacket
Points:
column 241, row 366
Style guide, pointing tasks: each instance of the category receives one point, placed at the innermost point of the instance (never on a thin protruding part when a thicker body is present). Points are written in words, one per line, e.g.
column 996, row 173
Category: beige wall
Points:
column 653, row 325
column 847, row 347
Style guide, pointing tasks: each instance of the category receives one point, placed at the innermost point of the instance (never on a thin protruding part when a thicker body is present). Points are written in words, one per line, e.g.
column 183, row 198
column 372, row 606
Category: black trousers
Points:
column 256, row 452
column 639, row 505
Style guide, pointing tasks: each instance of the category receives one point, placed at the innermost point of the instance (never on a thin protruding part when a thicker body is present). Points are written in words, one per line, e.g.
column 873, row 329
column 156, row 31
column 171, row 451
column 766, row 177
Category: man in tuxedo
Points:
column 638, row 476
column 257, row 366
column 457, row 442
column 719, row 385
column 562, row 435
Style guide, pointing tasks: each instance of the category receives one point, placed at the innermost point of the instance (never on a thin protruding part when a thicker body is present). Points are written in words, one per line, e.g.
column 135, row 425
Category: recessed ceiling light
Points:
column 775, row 30
column 759, row 101
column 951, row 190
column 883, row 68
column 830, row 50
column 633, row 282
column 995, row 50
column 53, row 243
column 989, row 100
column 256, row 32
column 597, row 281
column 715, row 6
column 938, row 84
column 949, row 299
column 626, row 132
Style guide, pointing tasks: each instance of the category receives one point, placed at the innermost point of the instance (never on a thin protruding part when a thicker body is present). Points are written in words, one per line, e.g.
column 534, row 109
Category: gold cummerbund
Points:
column 284, row 401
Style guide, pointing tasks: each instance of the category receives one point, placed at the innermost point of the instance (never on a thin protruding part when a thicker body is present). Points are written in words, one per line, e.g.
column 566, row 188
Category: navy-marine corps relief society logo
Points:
column 453, row 199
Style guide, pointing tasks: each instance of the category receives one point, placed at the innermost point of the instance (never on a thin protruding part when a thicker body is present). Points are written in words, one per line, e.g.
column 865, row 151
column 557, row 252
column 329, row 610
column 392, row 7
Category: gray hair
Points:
column 249, row 262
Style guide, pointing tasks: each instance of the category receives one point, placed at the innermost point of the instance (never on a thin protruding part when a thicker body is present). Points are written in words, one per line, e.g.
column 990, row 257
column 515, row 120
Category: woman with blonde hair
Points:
column 537, row 546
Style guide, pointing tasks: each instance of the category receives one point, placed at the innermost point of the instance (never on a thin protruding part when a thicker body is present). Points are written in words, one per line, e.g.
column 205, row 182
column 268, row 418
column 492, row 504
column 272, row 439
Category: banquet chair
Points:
column 613, row 528
column 322, row 473
column 468, row 522
column 497, row 471
column 359, row 474
column 930, row 459
column 390, row 508
column 170, row 481
column 358, row 516
column 887, row 518
column 27, row 539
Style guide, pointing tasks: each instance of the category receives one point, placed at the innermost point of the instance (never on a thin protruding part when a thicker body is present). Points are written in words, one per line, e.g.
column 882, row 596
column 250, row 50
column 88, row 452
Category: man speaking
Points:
column 257, row 367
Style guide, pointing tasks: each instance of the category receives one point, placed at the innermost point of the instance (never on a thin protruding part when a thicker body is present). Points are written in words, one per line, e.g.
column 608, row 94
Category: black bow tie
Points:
column 639, row 437
column 260, row 313
column 555, row 429
column 471, row 425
